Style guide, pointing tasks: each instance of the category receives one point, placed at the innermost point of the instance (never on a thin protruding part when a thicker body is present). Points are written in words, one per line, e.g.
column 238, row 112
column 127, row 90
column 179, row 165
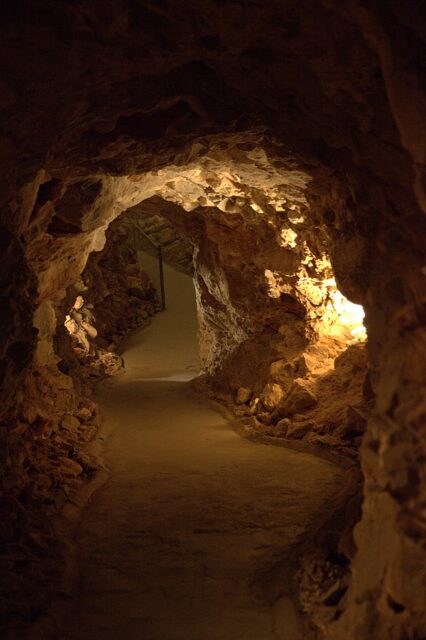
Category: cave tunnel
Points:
column 213, row 345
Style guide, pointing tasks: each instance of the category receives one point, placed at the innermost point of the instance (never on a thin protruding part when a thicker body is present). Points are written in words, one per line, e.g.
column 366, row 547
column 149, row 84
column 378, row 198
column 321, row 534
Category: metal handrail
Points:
column 159, row 248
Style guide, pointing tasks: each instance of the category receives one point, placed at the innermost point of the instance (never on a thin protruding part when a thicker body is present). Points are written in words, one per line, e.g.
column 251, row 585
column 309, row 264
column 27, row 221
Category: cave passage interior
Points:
column 213, row 290
column 192, row 540
column 187, row 502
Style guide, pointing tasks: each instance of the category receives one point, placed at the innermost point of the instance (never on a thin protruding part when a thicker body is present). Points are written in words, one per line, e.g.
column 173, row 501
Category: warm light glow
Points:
column 349, row 315
column 288, row 237
column 273, row 281
column 334, row 314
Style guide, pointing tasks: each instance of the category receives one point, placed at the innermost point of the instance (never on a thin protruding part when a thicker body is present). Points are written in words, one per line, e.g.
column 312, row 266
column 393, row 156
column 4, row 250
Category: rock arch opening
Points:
column 240, row 219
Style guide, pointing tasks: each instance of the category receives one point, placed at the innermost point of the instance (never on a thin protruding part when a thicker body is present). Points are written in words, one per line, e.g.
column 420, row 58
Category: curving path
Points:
column 183, row 539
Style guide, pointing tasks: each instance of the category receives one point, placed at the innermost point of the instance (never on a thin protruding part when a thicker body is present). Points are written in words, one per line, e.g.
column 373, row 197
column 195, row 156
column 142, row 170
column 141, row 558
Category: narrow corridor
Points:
column 175, row 545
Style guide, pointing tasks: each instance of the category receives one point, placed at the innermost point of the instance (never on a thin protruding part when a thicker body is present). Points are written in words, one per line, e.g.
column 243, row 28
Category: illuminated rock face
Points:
column 106, row 107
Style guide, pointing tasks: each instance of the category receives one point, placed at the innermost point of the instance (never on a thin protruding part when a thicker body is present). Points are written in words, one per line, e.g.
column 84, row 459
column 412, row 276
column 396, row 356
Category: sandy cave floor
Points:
column 177, row 544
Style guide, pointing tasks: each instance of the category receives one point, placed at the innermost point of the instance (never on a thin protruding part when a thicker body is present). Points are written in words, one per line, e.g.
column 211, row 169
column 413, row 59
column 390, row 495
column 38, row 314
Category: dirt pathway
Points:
column 174, row 547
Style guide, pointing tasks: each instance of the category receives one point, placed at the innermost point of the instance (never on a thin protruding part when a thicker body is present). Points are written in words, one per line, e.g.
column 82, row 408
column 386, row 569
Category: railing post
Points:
column 159, row 248
column 160, row 262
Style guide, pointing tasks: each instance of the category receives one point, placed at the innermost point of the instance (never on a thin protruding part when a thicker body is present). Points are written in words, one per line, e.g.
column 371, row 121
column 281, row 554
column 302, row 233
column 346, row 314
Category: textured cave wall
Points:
column 340, row 84
column 122, row 295
column 50, row 419
column 267, row 324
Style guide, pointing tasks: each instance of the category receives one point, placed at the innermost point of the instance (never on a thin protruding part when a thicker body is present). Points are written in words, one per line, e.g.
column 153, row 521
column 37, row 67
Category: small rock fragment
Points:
column 301, row 398
column 283, row 426
column 70, row 467
column 70, row 422
column 244, row 395
column 242, row 410
column 254, row 406
column 271, row 395
column 84, row 414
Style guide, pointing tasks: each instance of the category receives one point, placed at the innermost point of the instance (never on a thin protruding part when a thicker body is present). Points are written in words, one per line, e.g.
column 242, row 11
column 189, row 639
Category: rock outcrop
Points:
column 119, row 291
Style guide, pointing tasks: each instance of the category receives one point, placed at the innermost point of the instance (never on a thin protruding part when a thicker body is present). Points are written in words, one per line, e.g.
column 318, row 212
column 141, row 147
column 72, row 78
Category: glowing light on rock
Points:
column 79, row 324
column 288, row 237
column 349, row 315
column 335, row 315
column 273, row 282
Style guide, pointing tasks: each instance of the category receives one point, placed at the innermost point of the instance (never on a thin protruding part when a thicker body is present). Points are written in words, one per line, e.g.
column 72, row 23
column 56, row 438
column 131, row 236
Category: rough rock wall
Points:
column 45, row 433
column 341, row 85
column 121, row 293
column 269, row 315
